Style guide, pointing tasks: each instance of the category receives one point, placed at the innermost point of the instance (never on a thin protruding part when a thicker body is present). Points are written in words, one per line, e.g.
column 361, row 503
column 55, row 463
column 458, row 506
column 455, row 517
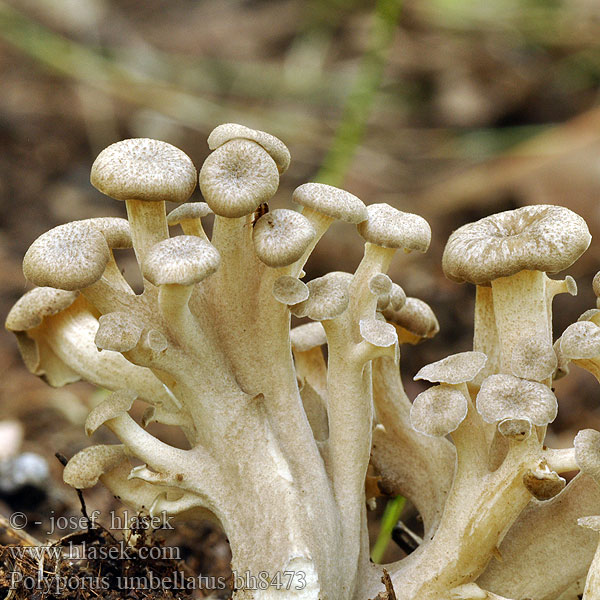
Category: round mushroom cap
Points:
column 416, row 317
column 85, row 468
column 507, row 397
column 281, row 237
column 238, row 177
column 455, row 369
column 69, row 257
column 438, row 411
column 397, row 297
column 116, row 231
column 31, row 309
column 180, row 260
column 596, row 284
column 274, row 146
column 331, row 202
column 144, row 169
column 118, row 331
column 329, row 297
column 580, row 340
column 389, row 227
column 188, row 212
column 587, row 452
column 308, row 336
column 536, row 238
column 379, row 333
column 289, row 290
column 533, row 358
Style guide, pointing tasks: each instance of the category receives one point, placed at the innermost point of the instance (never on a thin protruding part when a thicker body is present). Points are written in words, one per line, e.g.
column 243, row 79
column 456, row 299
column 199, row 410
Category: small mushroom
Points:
column 117, row 403
column 274, row 146
column 85, row 468
column 328, row 297
column 290, row 290
column 189, row 216
column 508, row 397
column 438, row 411
column 414, row 321
column 281, row 237
column 580, row 343
column 118, row 331
column 144, row 173
column 455, row 369
column 238, row 177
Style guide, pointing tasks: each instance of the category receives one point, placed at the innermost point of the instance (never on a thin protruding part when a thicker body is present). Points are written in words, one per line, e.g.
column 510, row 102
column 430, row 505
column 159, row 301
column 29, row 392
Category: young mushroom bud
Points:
column 144, row 173
column 414, row 321
column 230, row 131
column 290, row 290
column 86, row 467
column 329, row 297
column 189, row 216
column 438, row 411
column 281, row 237
column 119, row 332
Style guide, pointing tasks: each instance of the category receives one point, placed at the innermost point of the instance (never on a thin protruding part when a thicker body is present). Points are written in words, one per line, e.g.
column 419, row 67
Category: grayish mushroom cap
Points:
column 308, row 336
column 587, row 452
column 455, row 369
column 238, row 177
column 37, row 304
column 116, row 404
column 580, row 340
column 379, row 333
column 391, row 228
column 328, row 298
column 507, row 397
column 68, row 257
column 180, row 260
column 438, row 411
column 188, row 212
column 331, row 201
column 274, row 146
column 289, row 290
column 415, row 316
column 116, row 231
column 397, row 297
column 144, row 169
column 533, row 358
column 537, row 238
column 281, row 237
column 118, row 331
column 596, row 284
column 86, row 467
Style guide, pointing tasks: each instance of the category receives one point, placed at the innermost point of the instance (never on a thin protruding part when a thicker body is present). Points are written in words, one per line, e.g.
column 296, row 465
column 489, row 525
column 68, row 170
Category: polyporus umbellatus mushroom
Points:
column 280, row 439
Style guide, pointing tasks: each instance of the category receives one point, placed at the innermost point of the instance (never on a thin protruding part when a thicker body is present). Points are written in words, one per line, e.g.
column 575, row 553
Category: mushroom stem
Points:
column 148, row 222
column 561, row 460
column 592, row 582
column 321, row 223
column 194, row 227
column 173, row 303
column 522, row 312
column 485, row 336
column 106, row 298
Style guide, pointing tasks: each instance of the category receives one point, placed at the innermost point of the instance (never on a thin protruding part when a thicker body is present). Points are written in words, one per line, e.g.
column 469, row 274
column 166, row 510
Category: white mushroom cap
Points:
column 537, row 238
column 397, row 297
column 596, row 284
column 68, row 257
column 118, row 331
column 281, row 237
column 289, row 290
column 37, row 304
column 507, row 397
column 274, row 146
column 391, row 228
column 181, row 260
column 85, row 468
column 380, row 285
column 587, row 452
column 438, row 411
column 237, row 178
column 581, row 340
column 329, row 297
column 117, row 403
column 331, row 201
column 187, row 212
column 144, row 169
column 115, row 230
column 308, row 336
column 455, row 369
column 533, row 358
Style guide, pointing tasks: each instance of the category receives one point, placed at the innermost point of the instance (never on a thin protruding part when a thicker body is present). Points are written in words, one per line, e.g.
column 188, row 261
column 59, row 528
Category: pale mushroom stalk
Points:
column 148, row 225
column 592, row 582
column 321, row 224
column 561, row 460
column 485, row 333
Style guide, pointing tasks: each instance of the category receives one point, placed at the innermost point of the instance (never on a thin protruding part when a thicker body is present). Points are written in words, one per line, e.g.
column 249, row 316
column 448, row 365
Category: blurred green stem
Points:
column 392, row 513
column 358, row 106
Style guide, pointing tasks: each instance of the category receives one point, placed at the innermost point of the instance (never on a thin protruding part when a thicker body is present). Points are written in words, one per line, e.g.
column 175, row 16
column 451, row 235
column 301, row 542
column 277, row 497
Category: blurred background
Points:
column 453, row 109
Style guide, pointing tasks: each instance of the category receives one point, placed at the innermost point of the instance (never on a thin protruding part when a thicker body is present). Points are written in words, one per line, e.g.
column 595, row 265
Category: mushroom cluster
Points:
column 280, row 438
